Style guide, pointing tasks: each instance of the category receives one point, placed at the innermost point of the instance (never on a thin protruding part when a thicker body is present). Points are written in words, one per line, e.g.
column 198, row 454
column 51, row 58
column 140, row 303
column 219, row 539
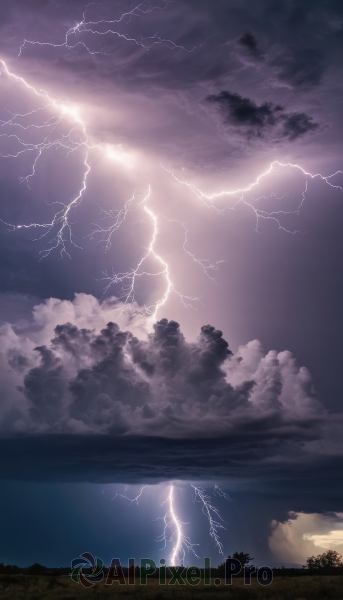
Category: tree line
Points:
column 328, row 562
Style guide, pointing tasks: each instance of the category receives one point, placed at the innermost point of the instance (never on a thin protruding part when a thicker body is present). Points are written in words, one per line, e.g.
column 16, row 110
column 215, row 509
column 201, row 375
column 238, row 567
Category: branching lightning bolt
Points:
column 118, row 217
column 209, row 510
column 173, row 529
column 128, row 279
column 203, row 262
column 208, row 199
column 61, row 224
column 68, row 141
column 64, row 129
column 219, row 492
column 61, row 221
column 106, row 28
column 173, row 532
column 131, row 500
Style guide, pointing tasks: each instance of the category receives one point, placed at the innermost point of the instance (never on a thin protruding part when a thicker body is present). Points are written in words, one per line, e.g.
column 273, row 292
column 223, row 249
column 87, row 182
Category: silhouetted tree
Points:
column 244, row 558
column 328, row 560
column 36, row 569
column 8, row 569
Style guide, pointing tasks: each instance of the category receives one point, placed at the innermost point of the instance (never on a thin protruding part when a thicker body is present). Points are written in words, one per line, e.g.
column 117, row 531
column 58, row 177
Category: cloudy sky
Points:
column 171, row 257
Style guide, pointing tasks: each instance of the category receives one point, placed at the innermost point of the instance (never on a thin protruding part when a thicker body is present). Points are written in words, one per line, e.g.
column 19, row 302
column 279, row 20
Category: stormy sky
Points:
column 171, row 291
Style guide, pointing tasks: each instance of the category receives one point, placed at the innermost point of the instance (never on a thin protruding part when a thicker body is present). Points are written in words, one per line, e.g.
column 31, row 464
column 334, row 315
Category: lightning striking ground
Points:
column 173, row 532
column 173, row 528
column 61, row 127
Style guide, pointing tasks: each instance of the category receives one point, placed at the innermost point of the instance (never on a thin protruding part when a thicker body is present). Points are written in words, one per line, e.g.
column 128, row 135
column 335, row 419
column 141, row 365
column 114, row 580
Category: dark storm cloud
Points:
column 299, row 69
column 108, row 406
column 266, row 119
column 298, row 124
column 294, row 41
column 303, row 482
column 150, row 385
column 45, row 386
column 243, row 111
column 249, row 43
column 148, row 397
column 209, row 47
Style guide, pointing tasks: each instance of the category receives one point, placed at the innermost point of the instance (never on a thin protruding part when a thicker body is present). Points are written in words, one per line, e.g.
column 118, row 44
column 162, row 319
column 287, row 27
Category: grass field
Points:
column 16, row 587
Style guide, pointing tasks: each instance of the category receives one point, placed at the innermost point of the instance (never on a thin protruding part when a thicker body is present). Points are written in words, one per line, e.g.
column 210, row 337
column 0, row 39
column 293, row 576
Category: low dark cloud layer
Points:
column 265, row 120
column 136, row 459
column 84, row 400
column 297, row 479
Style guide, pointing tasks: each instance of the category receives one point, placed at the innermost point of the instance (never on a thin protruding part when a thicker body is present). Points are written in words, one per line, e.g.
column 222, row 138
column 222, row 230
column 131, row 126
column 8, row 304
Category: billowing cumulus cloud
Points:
column 110, row 381
column 86, row 388
column 89, row 396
